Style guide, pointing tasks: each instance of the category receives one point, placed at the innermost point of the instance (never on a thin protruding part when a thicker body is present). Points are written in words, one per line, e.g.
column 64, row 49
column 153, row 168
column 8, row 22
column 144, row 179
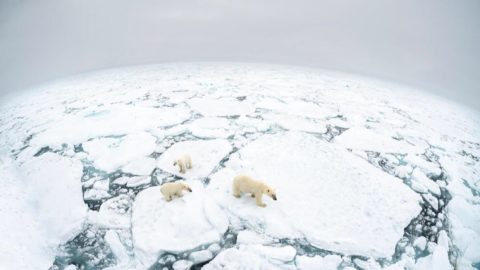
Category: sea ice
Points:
column 109, row 154
column 221, row 107
column 41, row 207
column 329, row 262
column 250, row 257
column 365, row 139
column 315, row 181
column 182, row 224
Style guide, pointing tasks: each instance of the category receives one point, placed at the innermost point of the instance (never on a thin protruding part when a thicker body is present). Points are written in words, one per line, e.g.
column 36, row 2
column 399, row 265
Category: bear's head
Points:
column 270, row 192
column 186, row 187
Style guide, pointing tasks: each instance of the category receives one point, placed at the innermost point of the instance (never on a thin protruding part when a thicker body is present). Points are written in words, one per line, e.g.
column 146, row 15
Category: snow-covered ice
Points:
column 113, row 213
column 361, row 167
column 41, row 207
column 109, row 154
column 221, row 107
column 250, row 257
column 309, row 175
column 366, row 139
column 182, row 224
column 329, row 262
column 52, row 179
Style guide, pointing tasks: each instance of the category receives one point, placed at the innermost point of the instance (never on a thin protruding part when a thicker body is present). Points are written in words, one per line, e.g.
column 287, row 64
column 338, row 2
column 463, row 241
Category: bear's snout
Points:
column 274, row 197
column 189, row 189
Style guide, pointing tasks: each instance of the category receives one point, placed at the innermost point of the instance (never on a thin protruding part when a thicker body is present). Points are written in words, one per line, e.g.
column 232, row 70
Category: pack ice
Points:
column 368, row 174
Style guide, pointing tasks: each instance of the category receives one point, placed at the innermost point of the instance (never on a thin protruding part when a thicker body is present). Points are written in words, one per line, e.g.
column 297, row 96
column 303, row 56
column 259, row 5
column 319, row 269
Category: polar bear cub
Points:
column 183, row 163
column 246, row 184
column 171, row 189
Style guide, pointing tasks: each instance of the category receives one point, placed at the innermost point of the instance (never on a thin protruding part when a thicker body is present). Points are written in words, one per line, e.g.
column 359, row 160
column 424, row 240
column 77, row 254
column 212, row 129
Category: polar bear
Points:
column 246, row 184
column 171, row 189
column 183, row 163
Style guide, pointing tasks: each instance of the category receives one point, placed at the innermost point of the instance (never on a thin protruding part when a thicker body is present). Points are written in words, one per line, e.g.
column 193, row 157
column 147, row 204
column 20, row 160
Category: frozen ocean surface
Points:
column 368, row 174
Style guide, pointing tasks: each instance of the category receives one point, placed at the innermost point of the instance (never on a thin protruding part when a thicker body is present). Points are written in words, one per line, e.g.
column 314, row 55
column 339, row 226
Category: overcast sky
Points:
column 430, row 44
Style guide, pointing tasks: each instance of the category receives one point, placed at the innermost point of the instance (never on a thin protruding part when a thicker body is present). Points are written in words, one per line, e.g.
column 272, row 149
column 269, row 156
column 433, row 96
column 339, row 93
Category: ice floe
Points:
column 113, row 213
column 221, row 107
column 329, row 262
column 315, row 181
column 112, row 121
column 182, row 224
column 371, row 140
column 41, row 207
column 250, row 257
column 109, row 154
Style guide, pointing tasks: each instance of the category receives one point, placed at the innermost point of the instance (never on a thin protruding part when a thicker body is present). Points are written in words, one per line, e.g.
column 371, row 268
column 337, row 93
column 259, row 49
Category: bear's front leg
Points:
column 168, row 198
column 179, row 194
column 258, row 199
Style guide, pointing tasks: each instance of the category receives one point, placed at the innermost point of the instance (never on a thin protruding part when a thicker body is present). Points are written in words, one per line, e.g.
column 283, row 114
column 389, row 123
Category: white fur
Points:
column 183, row 163
column 171, row 189
column 246, row 184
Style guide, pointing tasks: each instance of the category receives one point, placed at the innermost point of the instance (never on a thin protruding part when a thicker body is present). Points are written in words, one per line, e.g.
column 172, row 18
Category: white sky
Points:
column 430, row 44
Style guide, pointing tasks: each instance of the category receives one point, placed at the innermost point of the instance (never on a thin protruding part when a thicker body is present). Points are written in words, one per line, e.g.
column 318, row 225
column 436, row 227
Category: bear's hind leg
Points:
column 236, row 191
column 182, row 168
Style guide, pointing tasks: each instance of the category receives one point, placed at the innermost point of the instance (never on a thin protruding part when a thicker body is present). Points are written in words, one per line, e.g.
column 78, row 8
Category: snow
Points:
column 138, row 181
column 41, row 207
column 310, row 176
column 113, row 213
column 182, row 224
column 221, row 107
column 329, row 262
column 200, row 256
column 205, row 155
column 420, row 243
column 426, row 183
column 296, row 123
column 372, row 140
column 182, row 265
column 140, row 166
column 428, row 168
column 109, row 154
column 295, row 107
column 56, row 194
column 113, row 132
column 210, row 127
column 117, row 247
column 96, row 194
column 251, row 237
column 465, row 220
column 252, row 257
column 439, row 258
column 109, row 121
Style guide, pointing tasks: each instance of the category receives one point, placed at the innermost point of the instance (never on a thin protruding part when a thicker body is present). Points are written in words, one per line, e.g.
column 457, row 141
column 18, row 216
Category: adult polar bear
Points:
column 246, row 184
